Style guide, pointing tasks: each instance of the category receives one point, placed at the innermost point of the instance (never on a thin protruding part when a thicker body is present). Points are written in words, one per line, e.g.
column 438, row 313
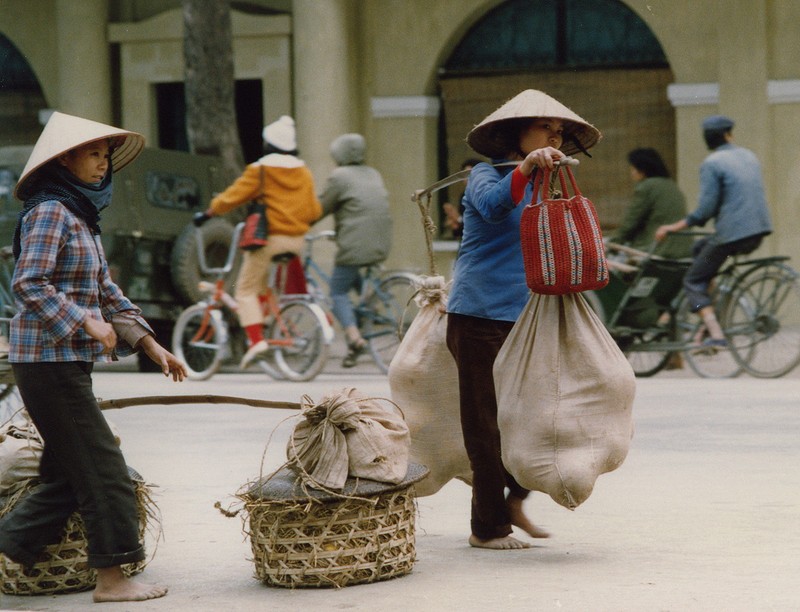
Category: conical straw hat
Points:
column 490, row 139
column 64, row 132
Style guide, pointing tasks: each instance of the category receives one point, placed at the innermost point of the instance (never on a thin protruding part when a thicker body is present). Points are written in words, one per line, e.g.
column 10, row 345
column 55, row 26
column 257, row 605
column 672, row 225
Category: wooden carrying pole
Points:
column 194, row 399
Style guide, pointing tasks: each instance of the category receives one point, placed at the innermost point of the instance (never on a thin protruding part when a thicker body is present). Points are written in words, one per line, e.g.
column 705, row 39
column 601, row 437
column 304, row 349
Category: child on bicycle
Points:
column 357, row 198
column 732, row 193
column 283, row 183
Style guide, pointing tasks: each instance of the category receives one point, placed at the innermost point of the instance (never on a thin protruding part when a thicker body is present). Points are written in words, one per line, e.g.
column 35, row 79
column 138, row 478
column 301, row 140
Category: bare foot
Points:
column 518, row 519
column 113, row 585
column 505, row 543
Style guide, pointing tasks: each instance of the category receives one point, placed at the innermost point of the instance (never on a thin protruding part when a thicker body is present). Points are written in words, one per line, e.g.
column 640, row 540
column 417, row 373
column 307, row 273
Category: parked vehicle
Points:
column 147, row 234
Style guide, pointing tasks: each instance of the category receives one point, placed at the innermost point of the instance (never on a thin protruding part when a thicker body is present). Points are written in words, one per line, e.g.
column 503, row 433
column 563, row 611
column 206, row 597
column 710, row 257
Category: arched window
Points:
column 524, row 35
column 21, row 97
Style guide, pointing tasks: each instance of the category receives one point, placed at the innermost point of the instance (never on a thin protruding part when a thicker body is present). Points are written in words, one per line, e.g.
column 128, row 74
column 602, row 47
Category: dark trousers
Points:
column 474, row 343
column 708, row 259
column 82, row 469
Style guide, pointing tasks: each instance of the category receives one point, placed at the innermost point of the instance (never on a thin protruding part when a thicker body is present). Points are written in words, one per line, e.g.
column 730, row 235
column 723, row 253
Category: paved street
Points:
column 703, row 515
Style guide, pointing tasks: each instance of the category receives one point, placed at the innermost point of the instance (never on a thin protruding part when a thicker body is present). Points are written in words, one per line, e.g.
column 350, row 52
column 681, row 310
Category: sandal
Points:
column 354, row 350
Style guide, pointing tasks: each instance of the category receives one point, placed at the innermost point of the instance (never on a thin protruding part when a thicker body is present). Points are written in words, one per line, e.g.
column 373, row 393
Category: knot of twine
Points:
column 431, row 290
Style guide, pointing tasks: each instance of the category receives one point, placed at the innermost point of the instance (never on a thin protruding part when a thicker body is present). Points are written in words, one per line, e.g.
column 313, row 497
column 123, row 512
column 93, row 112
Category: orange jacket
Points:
column 288, row 191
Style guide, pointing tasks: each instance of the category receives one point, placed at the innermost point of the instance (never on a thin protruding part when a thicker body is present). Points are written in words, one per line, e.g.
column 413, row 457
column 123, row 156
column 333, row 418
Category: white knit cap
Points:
column 281, row 134
column 65, row 132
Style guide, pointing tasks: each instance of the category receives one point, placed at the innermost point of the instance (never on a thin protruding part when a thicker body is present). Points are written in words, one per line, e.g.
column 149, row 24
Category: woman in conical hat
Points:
column 71, row 315
column 489, row 290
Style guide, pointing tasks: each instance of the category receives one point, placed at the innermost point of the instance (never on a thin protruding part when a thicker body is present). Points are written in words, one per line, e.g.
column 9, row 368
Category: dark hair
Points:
column 715, row 138
column 648, row 162
column 472, row 162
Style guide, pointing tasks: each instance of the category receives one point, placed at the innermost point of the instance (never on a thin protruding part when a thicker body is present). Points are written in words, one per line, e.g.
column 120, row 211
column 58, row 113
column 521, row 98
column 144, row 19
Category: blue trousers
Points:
column 82, row 469
column 343, row 280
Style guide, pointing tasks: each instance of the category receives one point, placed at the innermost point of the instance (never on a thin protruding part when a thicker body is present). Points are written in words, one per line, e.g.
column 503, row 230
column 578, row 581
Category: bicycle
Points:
column 207, row 334
column 648, row 315
column 385, row 308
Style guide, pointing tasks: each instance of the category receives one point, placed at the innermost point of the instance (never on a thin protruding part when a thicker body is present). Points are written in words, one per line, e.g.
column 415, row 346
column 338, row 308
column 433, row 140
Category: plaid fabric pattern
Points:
column 60, row 278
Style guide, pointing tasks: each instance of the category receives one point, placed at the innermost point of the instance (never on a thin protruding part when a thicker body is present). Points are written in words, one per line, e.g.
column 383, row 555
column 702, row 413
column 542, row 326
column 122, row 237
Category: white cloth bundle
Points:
column 349, row 434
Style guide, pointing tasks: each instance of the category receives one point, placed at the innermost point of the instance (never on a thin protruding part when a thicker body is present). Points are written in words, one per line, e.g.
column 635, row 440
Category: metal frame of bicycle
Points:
column 757, row 303
column 207, row 334
column 384, row 309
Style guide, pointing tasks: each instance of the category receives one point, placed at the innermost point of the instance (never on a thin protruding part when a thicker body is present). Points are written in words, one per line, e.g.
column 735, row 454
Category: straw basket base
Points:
column 63, row 567
column 319, row 541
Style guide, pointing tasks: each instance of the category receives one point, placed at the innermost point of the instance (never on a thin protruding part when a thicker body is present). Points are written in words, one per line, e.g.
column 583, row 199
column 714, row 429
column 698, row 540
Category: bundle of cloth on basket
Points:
column 349, row 434
column 511, row 353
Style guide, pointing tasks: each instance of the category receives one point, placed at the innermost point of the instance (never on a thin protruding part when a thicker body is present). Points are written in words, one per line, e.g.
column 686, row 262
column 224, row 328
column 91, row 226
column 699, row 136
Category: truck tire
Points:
column 185, row 270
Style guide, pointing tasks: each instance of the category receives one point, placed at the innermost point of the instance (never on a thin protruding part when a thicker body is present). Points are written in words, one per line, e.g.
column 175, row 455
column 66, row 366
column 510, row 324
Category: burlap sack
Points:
column 349, row 434
column 424, row 382
column 565, row 396
column 21, row 450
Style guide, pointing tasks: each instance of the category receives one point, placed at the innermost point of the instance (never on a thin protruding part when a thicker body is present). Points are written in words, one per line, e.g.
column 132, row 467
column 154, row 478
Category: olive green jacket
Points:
column 656, row 202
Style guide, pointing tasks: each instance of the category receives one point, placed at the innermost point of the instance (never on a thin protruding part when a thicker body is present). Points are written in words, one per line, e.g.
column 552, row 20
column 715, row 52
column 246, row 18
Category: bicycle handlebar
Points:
column 330, row 234
column 201, row 251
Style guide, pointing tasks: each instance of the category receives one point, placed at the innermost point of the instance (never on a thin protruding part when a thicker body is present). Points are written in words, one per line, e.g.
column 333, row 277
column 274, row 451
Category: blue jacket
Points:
column 732, row 193
column 489, row 276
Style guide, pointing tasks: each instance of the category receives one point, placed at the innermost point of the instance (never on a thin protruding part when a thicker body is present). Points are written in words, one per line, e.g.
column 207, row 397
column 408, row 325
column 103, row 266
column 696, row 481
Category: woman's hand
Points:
column 168, row 362
column 101, row 331
column 540, row 158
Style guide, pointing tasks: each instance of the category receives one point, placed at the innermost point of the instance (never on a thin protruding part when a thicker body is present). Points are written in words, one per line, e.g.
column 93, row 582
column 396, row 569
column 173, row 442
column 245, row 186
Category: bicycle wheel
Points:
column 387, row 316
column 763, row 322
column 645, row 362
column 706, row 363
column 302, row 340
column 200, row 345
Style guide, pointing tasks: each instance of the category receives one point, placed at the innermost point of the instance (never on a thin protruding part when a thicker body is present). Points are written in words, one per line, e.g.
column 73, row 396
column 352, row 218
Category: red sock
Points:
column 254, row 333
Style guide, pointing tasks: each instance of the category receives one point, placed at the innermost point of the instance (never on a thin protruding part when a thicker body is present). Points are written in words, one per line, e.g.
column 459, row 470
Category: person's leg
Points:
column 474, row 344
column 251, row 283
column 81, row 451
column 708, row 259
column 343, row 280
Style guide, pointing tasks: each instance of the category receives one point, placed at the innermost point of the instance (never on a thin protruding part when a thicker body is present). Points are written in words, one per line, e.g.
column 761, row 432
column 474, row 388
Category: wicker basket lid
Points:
column 286, row 485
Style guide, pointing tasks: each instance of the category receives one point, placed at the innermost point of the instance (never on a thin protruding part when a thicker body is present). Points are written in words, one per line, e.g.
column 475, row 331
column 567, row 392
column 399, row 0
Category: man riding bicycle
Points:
column 732, row 193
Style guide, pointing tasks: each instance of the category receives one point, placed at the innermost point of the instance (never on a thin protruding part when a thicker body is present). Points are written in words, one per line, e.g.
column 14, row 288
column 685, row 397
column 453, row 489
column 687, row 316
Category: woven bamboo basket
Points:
column 63, row 567
column 309, row 538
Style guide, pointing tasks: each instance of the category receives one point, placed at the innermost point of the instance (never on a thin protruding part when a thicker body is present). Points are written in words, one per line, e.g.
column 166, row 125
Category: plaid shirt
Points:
column 60, row 278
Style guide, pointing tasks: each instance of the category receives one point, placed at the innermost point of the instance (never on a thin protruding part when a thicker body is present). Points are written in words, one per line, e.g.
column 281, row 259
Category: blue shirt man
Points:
column 731, row 193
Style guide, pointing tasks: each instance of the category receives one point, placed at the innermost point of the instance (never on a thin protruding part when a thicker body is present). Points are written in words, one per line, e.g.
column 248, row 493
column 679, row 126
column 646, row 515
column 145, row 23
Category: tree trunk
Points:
column 209, row 82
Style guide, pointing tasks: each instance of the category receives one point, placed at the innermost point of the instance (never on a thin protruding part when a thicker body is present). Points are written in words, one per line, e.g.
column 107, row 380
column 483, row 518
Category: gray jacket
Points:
column 356, row 196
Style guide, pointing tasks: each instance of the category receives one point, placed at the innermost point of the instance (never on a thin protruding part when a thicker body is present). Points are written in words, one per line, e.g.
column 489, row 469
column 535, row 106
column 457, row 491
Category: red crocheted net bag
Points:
column 562, row 245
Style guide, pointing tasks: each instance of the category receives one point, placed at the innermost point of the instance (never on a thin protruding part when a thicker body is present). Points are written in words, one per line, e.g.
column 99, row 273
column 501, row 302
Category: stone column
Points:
column 324, row 48
column 743, row 72
column 84, row 69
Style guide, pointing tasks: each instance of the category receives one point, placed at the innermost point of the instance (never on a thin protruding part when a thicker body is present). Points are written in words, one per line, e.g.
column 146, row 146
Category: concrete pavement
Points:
column 703, row 515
